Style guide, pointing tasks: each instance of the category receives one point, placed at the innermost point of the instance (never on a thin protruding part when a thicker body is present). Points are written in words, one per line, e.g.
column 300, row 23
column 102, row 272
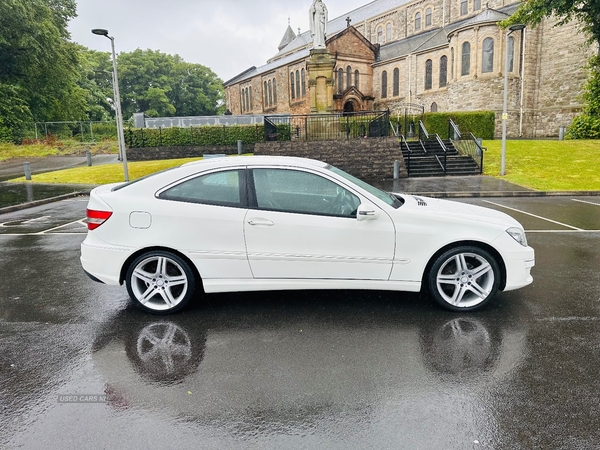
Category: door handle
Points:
column 263, row 222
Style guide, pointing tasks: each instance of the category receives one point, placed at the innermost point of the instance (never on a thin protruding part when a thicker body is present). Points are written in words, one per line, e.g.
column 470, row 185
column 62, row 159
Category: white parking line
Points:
column 583, row 201
column 534, row 215
column 80, row 221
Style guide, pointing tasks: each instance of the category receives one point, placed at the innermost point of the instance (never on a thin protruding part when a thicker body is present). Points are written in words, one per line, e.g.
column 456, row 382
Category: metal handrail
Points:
column 481, row 150
column 439, row 140
column 453, row 127
column 423, row 129
column 402, row 139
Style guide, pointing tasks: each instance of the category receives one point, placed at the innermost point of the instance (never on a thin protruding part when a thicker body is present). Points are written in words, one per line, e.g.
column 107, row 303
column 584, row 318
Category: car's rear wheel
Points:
column 160, row 282
column 464, row 278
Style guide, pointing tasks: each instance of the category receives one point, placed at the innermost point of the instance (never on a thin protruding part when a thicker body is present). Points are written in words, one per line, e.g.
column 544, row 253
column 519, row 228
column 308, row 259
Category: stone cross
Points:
column 348, row 20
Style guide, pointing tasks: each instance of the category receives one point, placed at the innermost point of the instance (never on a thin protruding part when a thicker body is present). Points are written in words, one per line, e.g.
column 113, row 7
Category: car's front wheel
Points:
column 464, row 278
column 160, row 282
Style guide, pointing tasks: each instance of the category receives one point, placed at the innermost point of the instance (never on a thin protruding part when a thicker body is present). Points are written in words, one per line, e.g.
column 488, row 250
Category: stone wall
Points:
column 368, row 159
column 154, row 153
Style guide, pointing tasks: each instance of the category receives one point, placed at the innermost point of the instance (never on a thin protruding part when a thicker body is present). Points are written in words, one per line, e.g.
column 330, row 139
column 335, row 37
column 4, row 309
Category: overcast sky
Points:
column 228, row 36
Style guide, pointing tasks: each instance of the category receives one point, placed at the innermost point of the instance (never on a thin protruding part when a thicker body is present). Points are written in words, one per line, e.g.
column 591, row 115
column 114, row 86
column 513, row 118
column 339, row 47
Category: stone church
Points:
column 442, row 55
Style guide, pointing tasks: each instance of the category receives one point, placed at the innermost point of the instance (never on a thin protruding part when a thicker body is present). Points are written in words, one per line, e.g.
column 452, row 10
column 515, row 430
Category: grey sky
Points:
column 226, row 35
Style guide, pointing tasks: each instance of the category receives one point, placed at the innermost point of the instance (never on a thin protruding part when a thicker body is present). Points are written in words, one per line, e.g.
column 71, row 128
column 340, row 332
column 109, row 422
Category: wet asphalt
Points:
column 82, row 368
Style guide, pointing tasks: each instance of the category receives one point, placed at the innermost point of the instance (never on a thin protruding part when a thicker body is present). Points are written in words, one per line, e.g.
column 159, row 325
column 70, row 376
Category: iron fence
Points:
column 319, row 127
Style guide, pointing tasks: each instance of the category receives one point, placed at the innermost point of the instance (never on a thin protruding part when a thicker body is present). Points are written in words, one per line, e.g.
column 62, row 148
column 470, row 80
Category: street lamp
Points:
column 512, row 28
column 117, row 102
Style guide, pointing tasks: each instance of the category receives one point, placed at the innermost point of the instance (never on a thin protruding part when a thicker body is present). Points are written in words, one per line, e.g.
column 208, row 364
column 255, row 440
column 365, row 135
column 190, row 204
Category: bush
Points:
column 480, row 123
column 207, row 135
column 584, row 126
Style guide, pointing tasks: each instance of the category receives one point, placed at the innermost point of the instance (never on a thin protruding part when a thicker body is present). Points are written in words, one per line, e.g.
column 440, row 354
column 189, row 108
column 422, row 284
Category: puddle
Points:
column 17, row 193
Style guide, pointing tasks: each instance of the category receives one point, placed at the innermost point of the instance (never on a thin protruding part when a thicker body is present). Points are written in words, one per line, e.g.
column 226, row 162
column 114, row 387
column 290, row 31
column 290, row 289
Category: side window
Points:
column 303, row 193
column 217, row 188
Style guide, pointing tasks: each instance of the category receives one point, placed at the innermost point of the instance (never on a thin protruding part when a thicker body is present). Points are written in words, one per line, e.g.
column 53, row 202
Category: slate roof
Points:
column 288, row 37
column 299, row 48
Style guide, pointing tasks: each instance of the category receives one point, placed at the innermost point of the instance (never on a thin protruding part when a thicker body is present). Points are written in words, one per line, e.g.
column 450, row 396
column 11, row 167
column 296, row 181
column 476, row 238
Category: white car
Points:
column 261, row 223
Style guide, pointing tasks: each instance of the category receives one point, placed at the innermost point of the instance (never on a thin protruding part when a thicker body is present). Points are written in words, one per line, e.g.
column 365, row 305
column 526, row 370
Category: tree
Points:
column 38, row 63
column 587, row 13
column 159, row 84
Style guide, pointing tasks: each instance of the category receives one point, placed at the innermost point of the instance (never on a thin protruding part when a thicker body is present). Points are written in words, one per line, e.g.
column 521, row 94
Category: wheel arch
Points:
column 482, row 245
column 141, row 251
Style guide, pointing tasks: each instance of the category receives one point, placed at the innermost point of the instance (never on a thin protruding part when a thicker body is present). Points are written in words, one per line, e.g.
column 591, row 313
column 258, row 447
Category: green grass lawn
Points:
column 543, row 165
column 547, row 165
column 8, row 151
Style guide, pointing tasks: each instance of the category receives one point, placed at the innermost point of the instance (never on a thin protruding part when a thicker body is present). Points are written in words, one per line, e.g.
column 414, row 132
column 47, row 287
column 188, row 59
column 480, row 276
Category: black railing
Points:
column 443, row 146
column 467, row 146
column 409, row 153
column 423, row 134
column 470, row 146
column 318, row 127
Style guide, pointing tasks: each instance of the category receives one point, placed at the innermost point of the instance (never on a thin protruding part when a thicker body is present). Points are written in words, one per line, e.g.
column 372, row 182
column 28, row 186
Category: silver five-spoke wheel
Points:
column 160, row 282
column 464, row 278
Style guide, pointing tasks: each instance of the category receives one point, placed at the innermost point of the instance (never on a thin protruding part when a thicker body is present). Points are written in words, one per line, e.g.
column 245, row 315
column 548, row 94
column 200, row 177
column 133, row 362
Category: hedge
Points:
column 197, row 136
column 480, row 123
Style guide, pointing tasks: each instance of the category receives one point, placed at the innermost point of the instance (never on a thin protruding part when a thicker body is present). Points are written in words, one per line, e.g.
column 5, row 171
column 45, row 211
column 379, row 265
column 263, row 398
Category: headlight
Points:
column 518, row 235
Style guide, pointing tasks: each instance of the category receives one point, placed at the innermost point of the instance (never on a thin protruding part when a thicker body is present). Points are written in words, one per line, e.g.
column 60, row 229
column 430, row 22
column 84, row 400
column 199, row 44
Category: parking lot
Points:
column 81, row 368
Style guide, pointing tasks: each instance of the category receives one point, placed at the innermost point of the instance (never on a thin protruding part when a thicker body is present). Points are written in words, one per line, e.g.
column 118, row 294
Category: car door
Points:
column 204, row 216
column 302, row 225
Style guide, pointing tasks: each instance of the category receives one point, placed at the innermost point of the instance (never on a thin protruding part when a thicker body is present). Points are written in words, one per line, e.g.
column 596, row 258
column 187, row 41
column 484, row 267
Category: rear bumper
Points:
column 103, row 262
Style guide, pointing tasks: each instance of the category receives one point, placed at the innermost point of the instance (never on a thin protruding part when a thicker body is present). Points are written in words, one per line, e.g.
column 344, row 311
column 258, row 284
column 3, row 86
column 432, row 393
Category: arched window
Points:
column 487, row 60
column 428, row 74
column 384, row 84
column 303, row 78
column 274, row 92
column 465, row 67
column 266, row 94
column 388, row 32
column 247, row 100
column 292, row 86
column 270, row 93
column 476, row 5
column 356, row 79
column 434, row 107
column 297, row 84
column 428, row 17
column 340, row 80
column 464, row 7
column 452, row 63
column 510, row 48
column 379, row 35
column 251, row 103
column 396, row 83
column 348, row 76
column 443, row 71
column 243, row 100
column 417, row 21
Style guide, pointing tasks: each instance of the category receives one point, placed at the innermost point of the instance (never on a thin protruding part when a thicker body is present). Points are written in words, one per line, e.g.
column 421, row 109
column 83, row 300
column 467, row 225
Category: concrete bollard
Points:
column 27, row 170
column 396, row 169
column 89, row 158
column 240, row 149
column 561, row 133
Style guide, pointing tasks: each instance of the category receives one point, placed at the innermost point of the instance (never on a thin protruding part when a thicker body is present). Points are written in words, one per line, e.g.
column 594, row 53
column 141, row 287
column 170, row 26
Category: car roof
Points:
column 257, row 160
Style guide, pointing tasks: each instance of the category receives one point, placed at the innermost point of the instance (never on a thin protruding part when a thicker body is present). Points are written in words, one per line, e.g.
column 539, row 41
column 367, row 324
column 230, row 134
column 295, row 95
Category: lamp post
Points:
column 512, row 28
column 117, row 102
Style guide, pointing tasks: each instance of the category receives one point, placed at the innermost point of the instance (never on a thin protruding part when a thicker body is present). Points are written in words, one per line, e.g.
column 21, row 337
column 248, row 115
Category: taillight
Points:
column 96, row 218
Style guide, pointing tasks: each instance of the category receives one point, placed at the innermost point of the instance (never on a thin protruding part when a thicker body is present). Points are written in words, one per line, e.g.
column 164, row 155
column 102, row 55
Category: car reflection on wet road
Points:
column 82, row 368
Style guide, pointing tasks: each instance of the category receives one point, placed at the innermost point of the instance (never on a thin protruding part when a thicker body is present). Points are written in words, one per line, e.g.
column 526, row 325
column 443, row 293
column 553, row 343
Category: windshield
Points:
column 386, row 197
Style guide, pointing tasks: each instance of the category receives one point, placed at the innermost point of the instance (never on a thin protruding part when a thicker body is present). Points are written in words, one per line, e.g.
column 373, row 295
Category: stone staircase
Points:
column 422, row 161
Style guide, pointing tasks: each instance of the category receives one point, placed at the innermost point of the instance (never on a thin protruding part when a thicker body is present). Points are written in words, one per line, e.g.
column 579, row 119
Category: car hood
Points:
column 446, row 209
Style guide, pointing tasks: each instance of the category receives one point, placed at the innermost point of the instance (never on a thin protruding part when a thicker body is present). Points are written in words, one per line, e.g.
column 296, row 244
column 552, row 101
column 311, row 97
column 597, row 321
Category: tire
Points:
column 464, row 279
column 160, row 282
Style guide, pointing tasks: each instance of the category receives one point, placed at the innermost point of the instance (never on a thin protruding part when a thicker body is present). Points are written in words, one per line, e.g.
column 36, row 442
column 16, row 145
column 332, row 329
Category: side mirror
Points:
column 366, row 212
